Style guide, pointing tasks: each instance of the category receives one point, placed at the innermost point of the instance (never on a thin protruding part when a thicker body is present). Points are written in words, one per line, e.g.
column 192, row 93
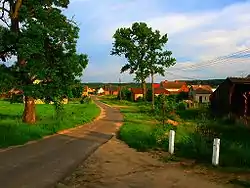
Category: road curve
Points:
column 42, row 164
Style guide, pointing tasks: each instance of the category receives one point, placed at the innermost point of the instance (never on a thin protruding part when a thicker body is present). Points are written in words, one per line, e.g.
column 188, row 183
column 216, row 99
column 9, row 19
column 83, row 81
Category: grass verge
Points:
column 14, row 132
column 194, row 135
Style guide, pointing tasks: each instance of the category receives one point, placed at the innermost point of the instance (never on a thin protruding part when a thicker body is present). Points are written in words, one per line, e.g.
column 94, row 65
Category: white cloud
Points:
column 198, row 36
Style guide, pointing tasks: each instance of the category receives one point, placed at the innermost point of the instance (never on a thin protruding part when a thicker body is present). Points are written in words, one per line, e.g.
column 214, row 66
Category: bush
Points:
column 181, row 106
column 15, row 99
column 125, row 94
column 149, row 95
column 86, row 100
column 164, row 106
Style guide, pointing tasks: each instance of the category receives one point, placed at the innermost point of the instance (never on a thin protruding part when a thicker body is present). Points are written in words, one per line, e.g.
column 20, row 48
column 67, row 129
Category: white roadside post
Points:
column 216, row 152
column 171, row 141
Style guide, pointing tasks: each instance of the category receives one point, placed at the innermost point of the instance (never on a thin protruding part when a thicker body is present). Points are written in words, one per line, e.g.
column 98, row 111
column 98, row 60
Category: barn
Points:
column 232, row 97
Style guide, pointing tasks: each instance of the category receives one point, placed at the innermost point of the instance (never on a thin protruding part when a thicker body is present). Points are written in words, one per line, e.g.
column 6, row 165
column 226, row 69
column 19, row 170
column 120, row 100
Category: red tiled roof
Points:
column 172, row 84
column 161, row 91
column 137, row 90
column 202, row 89
column 156, row 85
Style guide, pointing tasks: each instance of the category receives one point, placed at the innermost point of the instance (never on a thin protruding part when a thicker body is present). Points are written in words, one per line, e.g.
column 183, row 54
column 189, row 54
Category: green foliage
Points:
column 59, row 108
column 44, row 42
column 77, row 91
column 164, row 106
column 86, row 100
column 70, row 94
column 144, row 50
column 194, row 134
column 14, row 99
column 14, row 132
column 181, row 96
column 125, row 94
column 149, row 95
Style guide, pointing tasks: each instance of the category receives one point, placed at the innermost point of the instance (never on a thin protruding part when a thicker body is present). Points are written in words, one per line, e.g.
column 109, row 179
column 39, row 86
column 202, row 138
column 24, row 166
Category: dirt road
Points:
column 42, row 164
column 115, row 165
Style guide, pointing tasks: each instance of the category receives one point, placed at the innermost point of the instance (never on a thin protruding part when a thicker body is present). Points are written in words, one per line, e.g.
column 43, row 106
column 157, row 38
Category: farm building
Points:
column 136, row 93
column 200, row 93
column 174, row 87
column 232, row 96
column 111, row 90
column 159, row 91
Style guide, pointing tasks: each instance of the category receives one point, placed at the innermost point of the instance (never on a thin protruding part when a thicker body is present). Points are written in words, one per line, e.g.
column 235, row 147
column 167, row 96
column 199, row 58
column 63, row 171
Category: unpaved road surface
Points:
column 115, row 165
column 42, row 164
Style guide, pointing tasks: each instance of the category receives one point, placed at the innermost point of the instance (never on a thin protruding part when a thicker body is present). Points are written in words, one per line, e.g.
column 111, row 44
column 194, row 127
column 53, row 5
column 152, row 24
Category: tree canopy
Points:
column 144, row 49
column 40, row 41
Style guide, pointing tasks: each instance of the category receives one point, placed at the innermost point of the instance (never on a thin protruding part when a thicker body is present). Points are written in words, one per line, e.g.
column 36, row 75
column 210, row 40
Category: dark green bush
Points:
column 15, row 99
column 86, row 100
column 125, row 94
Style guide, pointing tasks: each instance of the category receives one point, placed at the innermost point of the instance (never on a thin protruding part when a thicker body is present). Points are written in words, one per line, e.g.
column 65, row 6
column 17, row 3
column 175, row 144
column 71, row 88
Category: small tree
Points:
column 163, row 107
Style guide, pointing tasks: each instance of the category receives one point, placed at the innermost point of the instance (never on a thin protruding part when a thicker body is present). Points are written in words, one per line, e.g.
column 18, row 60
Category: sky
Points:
column 198, row 32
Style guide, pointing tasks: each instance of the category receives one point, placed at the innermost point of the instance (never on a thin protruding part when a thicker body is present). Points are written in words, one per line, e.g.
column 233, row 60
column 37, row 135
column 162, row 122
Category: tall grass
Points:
column 194, row 134
column 14, row 132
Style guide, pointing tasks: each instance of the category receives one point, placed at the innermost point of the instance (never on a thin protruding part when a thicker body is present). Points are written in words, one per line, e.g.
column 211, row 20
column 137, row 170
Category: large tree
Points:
column 132, row 44
column 43, row 42
column 145, row 51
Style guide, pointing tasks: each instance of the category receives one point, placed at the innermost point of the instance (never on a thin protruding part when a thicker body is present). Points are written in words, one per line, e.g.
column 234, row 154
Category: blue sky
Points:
column 198, row 32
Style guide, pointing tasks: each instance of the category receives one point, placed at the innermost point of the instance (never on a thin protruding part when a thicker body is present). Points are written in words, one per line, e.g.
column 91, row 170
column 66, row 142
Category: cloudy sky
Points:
column 198, row 31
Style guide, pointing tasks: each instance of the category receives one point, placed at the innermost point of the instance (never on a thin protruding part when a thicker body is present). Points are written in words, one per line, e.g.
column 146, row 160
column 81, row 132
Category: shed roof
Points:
column 161, row 91
column 137, row 90
column 172, row 84
column 236, row 80
column 202, row 89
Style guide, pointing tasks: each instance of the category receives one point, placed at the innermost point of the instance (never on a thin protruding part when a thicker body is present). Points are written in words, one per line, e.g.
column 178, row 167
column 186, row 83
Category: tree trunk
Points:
column 153, row 91
column 29, row 113
column 144, row 89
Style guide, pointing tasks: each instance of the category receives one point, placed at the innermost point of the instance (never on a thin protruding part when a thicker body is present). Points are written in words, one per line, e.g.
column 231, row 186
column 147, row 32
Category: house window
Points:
column 205, row 98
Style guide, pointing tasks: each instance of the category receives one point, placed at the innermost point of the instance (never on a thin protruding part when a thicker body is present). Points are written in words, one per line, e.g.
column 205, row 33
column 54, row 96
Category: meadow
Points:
column 14, row 132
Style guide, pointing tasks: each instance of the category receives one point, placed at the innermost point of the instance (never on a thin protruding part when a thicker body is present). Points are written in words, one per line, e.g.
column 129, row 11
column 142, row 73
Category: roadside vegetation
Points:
column 14, row 132
column 144, row 129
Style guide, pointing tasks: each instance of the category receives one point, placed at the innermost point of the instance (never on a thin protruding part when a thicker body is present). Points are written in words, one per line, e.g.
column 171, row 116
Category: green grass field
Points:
column 14, row 132
column 194, row 134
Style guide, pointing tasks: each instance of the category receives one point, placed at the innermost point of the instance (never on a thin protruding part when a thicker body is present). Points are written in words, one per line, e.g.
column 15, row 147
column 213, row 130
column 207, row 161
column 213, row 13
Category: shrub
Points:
column 149, row 95
column 164, row 106
column 181, row 106
column 125, row 94
column 86, row 100
column 15, row 99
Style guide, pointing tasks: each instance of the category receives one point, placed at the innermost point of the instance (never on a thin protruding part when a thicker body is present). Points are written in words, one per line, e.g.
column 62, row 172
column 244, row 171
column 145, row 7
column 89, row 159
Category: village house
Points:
column 232, row 97
column 175, row 87
column 138, row 92
column 161, row 91
column 100, row 91
column 200, row 93
column 111, row 90
column 87, row 90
